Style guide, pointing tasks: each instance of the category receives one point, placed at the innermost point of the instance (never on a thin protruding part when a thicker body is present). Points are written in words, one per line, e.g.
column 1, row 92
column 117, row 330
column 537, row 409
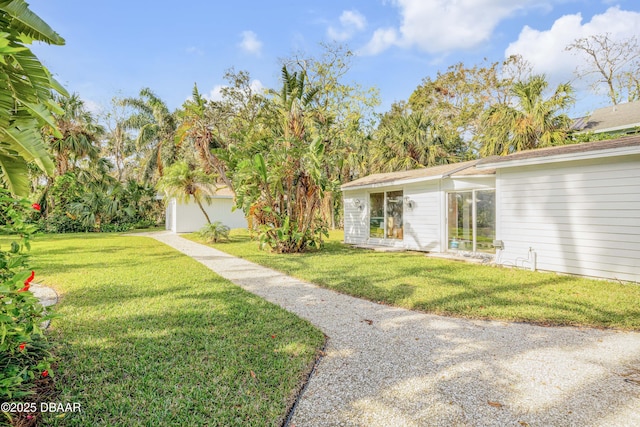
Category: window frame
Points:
column 474, row 218
column 385, row 205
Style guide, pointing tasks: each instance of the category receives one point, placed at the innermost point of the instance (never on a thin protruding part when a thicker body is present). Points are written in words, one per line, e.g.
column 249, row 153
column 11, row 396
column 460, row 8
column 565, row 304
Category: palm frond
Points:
column 28, row 23
column 14, row 174
column 44, row 115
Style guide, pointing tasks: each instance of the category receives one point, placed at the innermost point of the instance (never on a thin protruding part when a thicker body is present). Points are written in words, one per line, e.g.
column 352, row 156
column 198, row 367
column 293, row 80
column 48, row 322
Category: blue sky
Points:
column 115, row 47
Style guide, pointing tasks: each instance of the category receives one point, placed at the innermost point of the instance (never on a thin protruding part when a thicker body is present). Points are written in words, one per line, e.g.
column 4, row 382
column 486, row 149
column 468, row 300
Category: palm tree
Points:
column 80, row 134
column 292, row 103
column 25, row 95
column 98, row 204
column 282, row 185
column 137, row 201
column 118, row 140
column 197, row 119
column 194, row 126
column 535, row 122
column 412, row 140
column 157, row 129
column 183, row 181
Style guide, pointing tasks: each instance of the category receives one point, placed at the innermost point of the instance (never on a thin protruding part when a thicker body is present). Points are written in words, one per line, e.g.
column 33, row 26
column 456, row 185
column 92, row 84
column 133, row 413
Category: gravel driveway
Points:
column 388, row 366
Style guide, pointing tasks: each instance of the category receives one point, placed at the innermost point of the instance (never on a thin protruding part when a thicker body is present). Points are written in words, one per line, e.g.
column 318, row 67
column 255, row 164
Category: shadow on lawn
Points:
column 202, row 355
column 451, row 288
column 410, row 369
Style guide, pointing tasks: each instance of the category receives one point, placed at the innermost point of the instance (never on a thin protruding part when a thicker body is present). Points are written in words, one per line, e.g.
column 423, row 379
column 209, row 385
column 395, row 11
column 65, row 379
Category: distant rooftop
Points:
column 614, row 118
column 571, row 149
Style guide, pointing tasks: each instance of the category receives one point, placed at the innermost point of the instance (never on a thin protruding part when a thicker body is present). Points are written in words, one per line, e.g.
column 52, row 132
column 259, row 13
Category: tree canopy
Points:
column 283, row 152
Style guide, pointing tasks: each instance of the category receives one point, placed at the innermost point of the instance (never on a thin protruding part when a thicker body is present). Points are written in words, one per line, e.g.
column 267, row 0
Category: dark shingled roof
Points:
column 453, row 169
column 627, row 141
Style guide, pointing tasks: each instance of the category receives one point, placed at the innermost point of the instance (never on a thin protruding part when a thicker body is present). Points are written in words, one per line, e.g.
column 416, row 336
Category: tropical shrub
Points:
column 283, row 187
column 24, row 351
column 61, row 223
column 13, row 214
column 213, row 232
column 71, row 205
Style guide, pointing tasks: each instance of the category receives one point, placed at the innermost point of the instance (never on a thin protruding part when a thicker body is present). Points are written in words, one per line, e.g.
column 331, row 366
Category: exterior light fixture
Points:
column 410, row 204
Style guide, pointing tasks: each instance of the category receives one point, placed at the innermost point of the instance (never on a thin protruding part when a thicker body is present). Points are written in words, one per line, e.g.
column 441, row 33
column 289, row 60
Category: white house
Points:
column 187, row 217
column 571, row 209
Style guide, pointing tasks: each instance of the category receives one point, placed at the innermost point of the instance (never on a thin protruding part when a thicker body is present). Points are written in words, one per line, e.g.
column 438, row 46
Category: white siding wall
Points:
column 188, row 217
column 356, row 220
column 580, row 217
column 422, row 225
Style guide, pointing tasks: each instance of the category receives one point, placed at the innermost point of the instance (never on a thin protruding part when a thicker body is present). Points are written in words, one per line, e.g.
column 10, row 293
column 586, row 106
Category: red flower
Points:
column 27, row 282
column 36, row 206
column 21, row 346
column 30, row 278
column 45, row 373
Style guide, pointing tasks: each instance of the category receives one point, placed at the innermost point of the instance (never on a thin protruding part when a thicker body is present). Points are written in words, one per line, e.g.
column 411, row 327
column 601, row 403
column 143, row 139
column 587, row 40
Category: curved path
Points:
column 390, row 366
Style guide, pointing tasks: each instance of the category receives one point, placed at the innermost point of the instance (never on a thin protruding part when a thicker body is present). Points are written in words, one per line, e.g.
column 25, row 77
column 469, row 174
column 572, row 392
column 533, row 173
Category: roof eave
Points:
column 630, row 126
column 586, row 155
column 346, row 187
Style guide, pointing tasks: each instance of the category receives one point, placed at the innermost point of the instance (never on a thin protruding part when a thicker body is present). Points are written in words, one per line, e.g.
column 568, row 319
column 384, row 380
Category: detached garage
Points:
column 570, row 209
column 187, row 217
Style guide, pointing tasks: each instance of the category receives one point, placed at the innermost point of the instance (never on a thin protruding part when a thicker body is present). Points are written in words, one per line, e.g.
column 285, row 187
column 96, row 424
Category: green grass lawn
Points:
column 412, row 280
column 150, row 337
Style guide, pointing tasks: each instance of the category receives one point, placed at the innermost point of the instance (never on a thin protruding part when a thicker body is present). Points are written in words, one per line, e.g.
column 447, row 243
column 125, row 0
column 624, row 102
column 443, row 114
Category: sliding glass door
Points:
column 376, row 215
column 471, row 220
column 460, row 230
column 386, row 215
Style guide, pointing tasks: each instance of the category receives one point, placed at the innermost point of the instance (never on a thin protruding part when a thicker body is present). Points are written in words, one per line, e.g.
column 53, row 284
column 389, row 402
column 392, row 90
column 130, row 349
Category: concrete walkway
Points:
column 388, row 366
column 47, row 297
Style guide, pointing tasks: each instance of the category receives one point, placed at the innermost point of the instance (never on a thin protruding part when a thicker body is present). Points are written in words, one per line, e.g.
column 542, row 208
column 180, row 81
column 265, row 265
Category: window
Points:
column 386, row 215
column 471, row 220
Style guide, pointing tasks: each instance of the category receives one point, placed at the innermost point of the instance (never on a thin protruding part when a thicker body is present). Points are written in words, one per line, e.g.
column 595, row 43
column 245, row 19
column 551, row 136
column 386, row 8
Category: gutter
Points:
column 461, row 168
column 407, row 180
column 557, row 158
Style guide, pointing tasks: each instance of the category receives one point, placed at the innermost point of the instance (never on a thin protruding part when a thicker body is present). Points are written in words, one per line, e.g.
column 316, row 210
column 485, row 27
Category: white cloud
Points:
column 438, row 26
column 546, row 49
column 93, row 107
column 351, row 21
column 353, row 18
column 250, row 43
column 216, row 93
column 382, row 39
